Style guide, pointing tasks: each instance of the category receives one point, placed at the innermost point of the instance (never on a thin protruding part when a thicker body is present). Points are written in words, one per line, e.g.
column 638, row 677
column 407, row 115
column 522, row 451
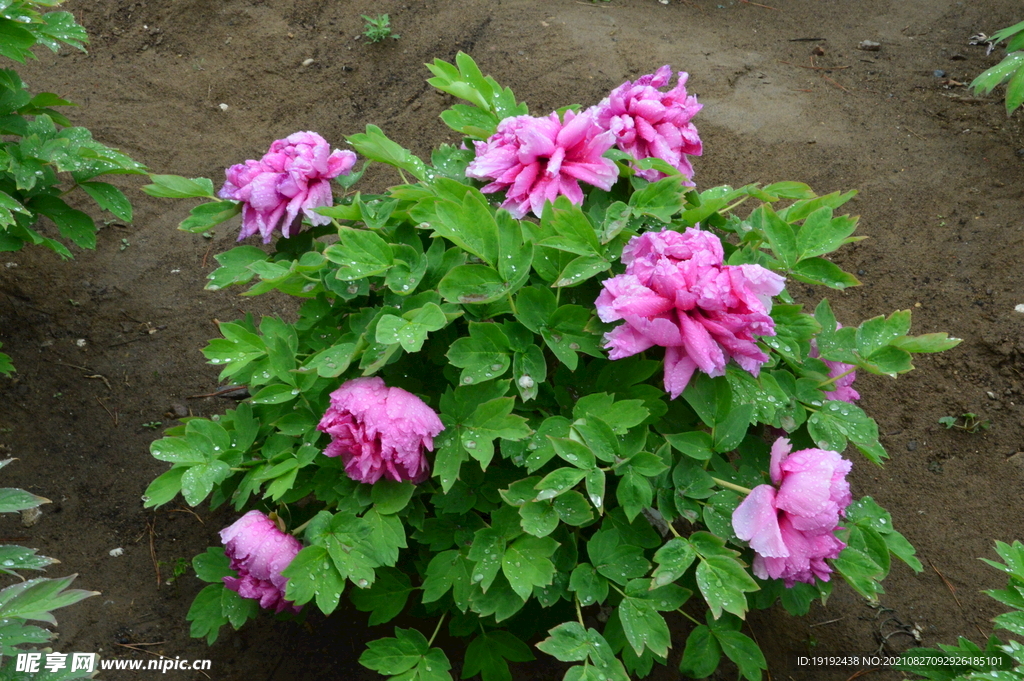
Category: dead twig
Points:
column 913, row 133
column 862, row 672
column 207, row 254
column 128, row 342
column 73, row 366
column 757, row 4
column 815, row 68
column 102, row 378
column 806, row 40
column 188, row 510
column 152, row 549
column 113, row 417
column 948, row 585
column 819, row 624
column 834, row 83
column 142, row 650
column 226, row 391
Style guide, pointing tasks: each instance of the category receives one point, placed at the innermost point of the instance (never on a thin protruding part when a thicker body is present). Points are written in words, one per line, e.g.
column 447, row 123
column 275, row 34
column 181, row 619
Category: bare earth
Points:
column 940, row 178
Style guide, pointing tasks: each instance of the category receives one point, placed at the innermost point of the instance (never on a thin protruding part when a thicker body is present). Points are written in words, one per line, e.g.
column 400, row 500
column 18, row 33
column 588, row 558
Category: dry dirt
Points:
column 939, row 174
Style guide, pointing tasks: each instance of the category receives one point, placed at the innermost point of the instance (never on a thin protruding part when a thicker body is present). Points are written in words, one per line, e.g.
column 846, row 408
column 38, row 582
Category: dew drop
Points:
column 467, row 379
column 362, row 583
column 495, row 367
column 470, row 444
column 478, row 577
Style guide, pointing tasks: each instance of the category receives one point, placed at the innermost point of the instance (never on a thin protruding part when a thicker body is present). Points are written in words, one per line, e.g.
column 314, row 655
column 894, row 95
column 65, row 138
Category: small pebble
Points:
column 991, row 395
column 31, row 516
column 939, row 73
column 223, row 107
column 869, row 46
column 114, row 553
column 1019, row 308
column 307, row 62
column 80, row 342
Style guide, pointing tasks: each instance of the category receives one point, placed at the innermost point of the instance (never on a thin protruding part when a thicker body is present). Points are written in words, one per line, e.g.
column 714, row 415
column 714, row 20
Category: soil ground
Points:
column 940, row 176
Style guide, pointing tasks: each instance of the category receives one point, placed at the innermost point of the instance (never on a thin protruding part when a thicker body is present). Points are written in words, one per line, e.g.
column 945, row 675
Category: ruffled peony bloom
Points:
column 380, row 431
column 650, row 123
column 842, row 388
column 677, row 293
column 259, row 553
column 791, row 526
column 295, row 175
column 537, row 159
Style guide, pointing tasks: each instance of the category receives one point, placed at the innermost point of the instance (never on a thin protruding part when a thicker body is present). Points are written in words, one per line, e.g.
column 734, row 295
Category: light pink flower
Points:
column 677, row 293
column 538, row 159
column 259, row 553
column 650, row 123
column 791, row 526
column 842, row 389
column 380, row 431
column 295, row 175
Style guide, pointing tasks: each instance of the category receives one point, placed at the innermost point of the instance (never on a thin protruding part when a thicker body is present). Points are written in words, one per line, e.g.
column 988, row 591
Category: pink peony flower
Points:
column 380, row 431
column 295, row 175
column 259, row 553
column 791, row 527
column 842, row 388
column 537, row 159
column 650, row 123
column 677, row 293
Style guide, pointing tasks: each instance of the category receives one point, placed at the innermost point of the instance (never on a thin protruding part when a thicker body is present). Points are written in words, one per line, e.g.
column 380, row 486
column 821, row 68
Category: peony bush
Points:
column 541, row 392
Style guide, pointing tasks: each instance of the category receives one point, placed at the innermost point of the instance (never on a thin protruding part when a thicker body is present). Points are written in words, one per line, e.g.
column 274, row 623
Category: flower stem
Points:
column 579, row 612
column 436, row 629
column 836, row 378
column 729, row 485
column 512, row 304
column 300, row 528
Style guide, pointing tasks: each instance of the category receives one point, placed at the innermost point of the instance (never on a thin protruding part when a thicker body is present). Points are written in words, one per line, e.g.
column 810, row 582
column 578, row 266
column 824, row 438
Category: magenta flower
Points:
column 650, row 123
column 380, row 431
column 295, row 175
column 677, row 293
column 538, row 159
column 259, row 553
column 842, row 388
column 792, row 527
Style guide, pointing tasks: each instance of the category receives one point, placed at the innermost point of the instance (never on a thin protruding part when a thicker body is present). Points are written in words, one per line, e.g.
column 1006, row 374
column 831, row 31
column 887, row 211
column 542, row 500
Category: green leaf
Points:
column 34, row 599
column 928, row 342
column 538, row 518
column 721, row 577
column 234, row 267
column 448, row 570
column 568, row 642
column 72, row 224
column 527, row 564
column 661, row 199
column 14, row 500
column 14, row 558
column 472, row 284
column 557, row 482
column 412, row 328
column 212, row 566
column 198, row 481
column 694, row 444
column 821, row 271
column 488, row 652
column 590, row 587
column 616, row 561
column 15, row 41
column 860, row 572
column 206, row 613
column 386, row 536
column 164, row 488
column 177, row 187
column 673, row 560
column 580, row 269
column 375, row 145
column 634, row 494
column 386, row 597
column 644, row 626
column 391, row 497
column 360, row 253
column 109, row 198
column 701, row 654
column 742, row 650
column 482, row 355
column 312, row 573
column 779, row 233
column 207, row 215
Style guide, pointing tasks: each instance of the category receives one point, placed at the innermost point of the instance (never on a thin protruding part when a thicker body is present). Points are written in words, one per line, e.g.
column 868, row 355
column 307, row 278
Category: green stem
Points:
column 729, row 208
column 436, row 629
column 673, row 531
column 512, row 304
column 687, row 616
column 300, row 528
column 729, row 485
column 836, row 378
column 579, row 612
